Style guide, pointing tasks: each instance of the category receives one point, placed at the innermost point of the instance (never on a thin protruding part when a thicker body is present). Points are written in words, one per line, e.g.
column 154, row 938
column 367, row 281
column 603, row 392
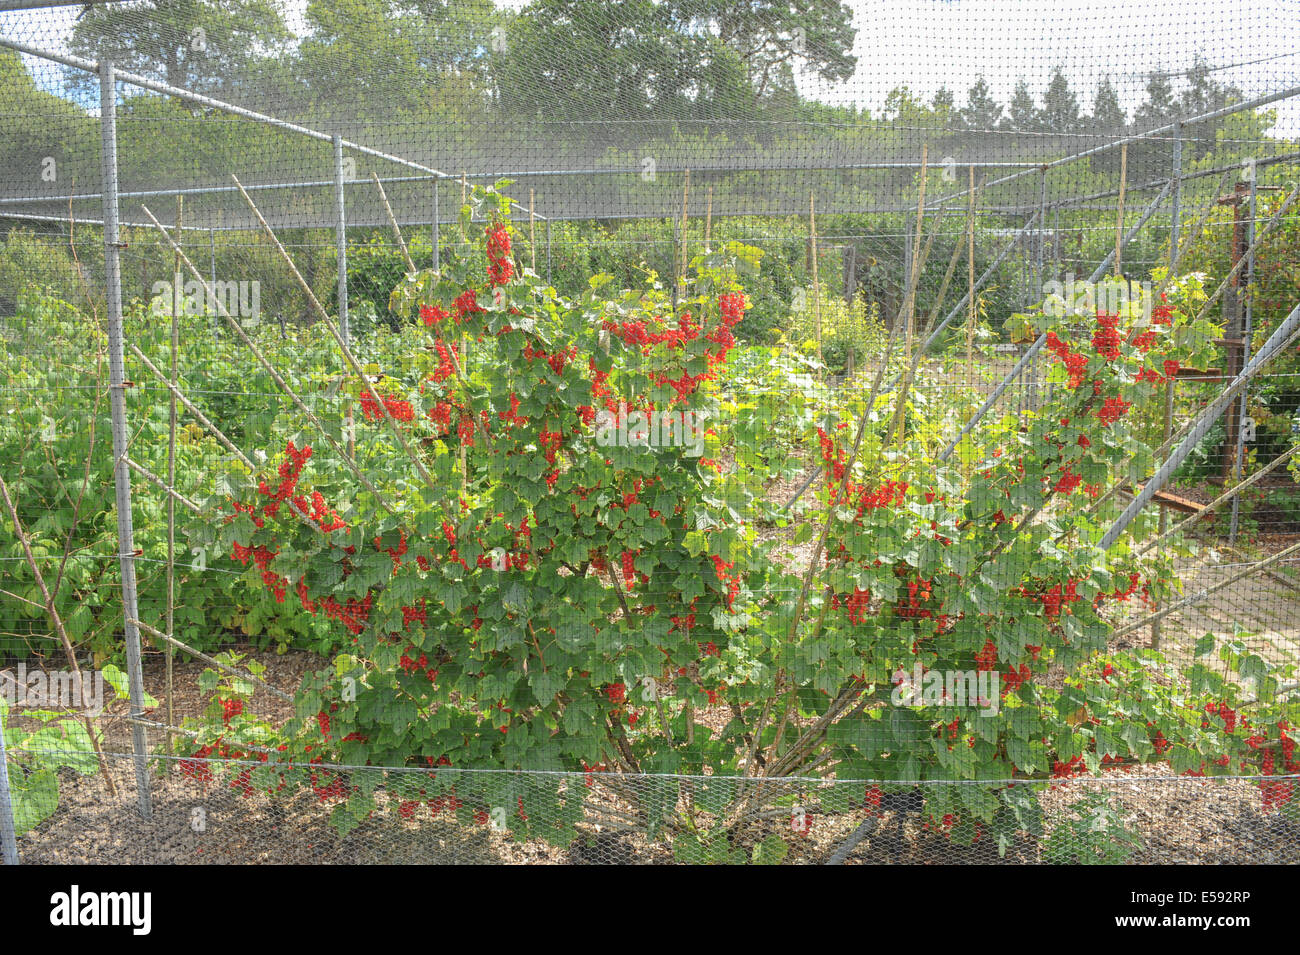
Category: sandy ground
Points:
column 1183, row 821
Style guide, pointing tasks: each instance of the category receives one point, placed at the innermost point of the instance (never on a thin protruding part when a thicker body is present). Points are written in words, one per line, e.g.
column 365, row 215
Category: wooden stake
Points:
column 686, row 193
column 970, row 270
column 915, row 281
column 916, row 248
column 392, row 221
column 172, row 414
column 812, row 247
column 708, row 221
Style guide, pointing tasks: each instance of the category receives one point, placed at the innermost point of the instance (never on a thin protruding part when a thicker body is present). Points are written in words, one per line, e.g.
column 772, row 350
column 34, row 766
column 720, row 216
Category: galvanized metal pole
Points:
column 1204, row 422
column 8, row 831
column 1175, row 234
column 117, row 401
column 548, row 251
column 341, row 238
column 1040, row 231
column 1247, row 282
column 1176, row 197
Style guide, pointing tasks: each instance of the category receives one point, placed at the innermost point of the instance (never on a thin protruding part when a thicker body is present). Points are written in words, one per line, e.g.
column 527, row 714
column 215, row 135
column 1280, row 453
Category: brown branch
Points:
column 58, row 627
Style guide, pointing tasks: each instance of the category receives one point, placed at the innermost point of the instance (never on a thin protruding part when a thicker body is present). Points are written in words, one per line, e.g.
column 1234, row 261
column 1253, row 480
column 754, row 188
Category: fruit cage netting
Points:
column 909, row 189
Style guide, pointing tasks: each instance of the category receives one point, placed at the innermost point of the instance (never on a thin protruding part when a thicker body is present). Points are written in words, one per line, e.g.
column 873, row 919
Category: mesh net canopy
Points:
column 234, row 229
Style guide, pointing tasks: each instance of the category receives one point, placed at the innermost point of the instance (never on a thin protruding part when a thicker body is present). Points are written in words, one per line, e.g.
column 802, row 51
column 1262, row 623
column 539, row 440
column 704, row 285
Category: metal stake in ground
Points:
column 341, row 239
column 1174, row 212
column 117, row 401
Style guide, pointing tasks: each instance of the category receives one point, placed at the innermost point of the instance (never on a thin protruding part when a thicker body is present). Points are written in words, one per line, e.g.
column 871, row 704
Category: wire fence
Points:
column 201, row 242
column 217, row 812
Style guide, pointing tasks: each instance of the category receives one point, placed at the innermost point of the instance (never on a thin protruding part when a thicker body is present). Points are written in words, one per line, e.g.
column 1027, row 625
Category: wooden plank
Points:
column 1173, row 501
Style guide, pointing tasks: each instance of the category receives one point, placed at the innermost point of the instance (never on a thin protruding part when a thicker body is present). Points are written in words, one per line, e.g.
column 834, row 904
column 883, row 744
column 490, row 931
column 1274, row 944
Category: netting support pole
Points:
column 548, row 251
column 1175, row 235
column 341, row 238
column 212, row 271
column 8, row 831
column 1247, row 330
column 436, row 233
column 907, row 255
column 1039, row 291
column 117, row 399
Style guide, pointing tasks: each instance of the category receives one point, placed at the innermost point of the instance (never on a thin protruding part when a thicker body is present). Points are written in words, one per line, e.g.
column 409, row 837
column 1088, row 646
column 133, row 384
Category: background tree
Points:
column 1108, row 121
column 399, row 55
column 203, row 45
column 945, row 107
column 1060, row 105
column 1159, row 107
column 683, row 58
column 1107, row 114
column 1022, row 111
column 981, row 111
column 571, row 60
column 814, row 36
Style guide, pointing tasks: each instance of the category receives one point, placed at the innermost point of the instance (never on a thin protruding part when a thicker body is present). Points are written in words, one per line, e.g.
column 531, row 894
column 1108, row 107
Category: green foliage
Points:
column 527, row 595
column 771, row 403
column 1095, row 834
column 56, row 440
column 46, row 742
column 847, row 329
column 649, row 250
column 375, row 267
column 34, row 760
column 30, row 263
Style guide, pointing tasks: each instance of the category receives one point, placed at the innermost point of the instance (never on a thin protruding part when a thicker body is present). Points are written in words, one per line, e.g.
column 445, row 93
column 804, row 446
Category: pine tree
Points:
column 981, row 111
column 1107, row 114
column 1060, row 106
column 1159, row 107
column 1022, row 112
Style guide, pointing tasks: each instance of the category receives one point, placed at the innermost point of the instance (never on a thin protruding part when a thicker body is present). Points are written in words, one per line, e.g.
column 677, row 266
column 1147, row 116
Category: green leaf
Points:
column 35, row 796
column 771, row 851
column 348, row 815
column 121, row 686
